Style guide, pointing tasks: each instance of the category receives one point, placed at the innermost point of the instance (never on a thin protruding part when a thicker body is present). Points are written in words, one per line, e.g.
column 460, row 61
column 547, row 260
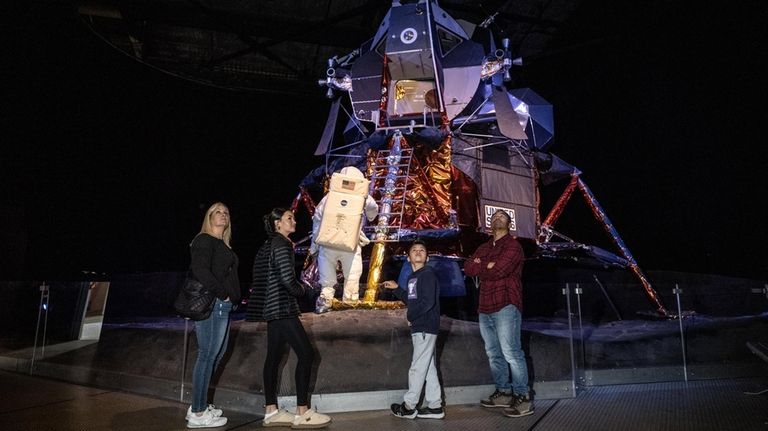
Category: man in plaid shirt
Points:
column 499, row 265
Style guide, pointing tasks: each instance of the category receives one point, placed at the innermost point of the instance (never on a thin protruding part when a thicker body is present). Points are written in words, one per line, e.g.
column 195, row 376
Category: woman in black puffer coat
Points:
column 273, row 300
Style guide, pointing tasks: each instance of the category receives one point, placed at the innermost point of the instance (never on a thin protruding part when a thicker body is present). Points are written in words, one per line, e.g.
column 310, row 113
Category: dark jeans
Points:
column 279, row 333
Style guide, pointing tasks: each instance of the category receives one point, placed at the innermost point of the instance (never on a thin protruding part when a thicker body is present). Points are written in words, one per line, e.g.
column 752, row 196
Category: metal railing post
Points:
column 567, row 293
column 578, row 292
column 184, row 358
column 677, row 291
column 43, row 307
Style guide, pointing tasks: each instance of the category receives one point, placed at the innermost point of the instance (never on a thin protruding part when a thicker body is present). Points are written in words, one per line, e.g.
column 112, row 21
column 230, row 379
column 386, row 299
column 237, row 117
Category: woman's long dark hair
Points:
column 273, row 216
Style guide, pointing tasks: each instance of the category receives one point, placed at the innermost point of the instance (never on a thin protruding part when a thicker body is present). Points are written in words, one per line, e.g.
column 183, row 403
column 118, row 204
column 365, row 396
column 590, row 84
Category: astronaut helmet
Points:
column 351, row 171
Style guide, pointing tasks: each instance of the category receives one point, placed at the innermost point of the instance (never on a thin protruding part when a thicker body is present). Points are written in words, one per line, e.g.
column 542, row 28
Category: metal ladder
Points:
column 389, row 190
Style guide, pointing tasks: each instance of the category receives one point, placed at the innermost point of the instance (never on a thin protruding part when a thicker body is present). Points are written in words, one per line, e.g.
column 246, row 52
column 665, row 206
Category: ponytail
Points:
column 270, row 219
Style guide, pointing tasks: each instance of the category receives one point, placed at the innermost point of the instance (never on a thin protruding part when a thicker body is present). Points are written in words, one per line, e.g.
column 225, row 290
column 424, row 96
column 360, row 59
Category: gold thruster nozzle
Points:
column 374, row 272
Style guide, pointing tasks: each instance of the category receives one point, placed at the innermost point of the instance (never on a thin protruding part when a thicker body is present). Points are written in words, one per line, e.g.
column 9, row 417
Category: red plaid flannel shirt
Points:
column 500, row 285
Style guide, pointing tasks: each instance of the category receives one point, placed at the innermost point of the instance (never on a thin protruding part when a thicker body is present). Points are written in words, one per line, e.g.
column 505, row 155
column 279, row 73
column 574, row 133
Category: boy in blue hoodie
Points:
column 422, row 295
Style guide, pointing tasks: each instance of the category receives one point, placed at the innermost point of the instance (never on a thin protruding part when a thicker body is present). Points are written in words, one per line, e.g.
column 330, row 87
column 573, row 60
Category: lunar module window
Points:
column 448, row 40
column 413, row 97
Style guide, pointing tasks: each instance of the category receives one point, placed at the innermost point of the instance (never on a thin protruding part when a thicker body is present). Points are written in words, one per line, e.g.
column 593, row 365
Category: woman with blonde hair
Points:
column 214, row 264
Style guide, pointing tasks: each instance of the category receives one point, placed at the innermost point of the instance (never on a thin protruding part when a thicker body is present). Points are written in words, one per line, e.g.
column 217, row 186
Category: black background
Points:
column 108, row 165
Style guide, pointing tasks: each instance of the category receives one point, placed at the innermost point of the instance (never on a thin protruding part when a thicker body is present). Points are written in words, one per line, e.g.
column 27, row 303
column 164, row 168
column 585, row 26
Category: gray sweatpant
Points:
column 423, row 368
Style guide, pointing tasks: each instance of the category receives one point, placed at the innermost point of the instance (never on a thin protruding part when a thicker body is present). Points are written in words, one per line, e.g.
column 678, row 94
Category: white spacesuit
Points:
column 339, row 239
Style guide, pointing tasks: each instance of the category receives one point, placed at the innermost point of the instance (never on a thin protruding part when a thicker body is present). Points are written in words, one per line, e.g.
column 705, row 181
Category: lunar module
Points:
column 428, row 117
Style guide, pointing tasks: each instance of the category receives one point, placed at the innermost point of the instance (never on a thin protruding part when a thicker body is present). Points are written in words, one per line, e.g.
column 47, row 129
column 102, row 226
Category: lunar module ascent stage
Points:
column 445, row 144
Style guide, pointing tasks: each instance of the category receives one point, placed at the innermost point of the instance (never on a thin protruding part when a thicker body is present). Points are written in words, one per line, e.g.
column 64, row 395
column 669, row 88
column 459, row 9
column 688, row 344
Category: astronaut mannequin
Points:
column 329, row 256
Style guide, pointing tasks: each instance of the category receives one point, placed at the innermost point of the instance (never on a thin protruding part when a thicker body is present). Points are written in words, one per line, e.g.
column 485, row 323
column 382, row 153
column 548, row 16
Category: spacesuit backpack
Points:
column 343, row 212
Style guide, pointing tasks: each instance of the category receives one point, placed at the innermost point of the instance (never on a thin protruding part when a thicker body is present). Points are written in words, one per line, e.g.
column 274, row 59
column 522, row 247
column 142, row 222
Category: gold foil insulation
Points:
column 363, row 305
column 428, row 199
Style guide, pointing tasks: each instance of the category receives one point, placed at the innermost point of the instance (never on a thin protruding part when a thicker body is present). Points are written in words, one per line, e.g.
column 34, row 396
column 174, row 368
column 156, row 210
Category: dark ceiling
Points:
column 660, row 103
column 283, row 45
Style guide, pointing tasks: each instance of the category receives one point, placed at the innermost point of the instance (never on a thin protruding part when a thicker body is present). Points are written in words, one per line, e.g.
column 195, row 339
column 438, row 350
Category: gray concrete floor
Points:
column 34, row 403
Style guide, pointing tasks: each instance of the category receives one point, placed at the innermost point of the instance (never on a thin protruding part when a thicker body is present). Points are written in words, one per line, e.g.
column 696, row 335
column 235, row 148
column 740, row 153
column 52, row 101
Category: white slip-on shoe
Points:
column 278, row 418
column 310, row 420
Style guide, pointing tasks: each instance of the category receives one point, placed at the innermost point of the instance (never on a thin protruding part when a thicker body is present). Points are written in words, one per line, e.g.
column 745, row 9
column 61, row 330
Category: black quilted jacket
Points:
column 275, row 287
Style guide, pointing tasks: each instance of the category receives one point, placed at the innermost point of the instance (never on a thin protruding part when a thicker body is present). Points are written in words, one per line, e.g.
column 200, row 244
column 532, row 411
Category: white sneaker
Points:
column 310, row 419
column 206, row 420
column 211, row 408
column 278, row 418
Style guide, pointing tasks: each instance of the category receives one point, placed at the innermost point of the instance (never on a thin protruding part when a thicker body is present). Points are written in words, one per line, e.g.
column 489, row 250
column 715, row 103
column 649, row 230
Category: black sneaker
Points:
column 428, row 413
column 523, row 406
column 498, row 399
column 402, row 411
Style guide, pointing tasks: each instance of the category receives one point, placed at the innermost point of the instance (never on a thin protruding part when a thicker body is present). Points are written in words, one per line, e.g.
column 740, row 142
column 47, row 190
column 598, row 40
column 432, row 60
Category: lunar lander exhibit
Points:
column 424, row 110
column 428, row 113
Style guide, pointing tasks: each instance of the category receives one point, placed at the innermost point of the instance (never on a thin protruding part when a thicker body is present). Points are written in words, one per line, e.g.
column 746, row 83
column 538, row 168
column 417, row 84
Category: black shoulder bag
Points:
column 194, row 300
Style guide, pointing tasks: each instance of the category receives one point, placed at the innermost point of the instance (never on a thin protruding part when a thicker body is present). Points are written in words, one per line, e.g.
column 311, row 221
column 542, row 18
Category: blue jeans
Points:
column 501, row 334
column 212, row 339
